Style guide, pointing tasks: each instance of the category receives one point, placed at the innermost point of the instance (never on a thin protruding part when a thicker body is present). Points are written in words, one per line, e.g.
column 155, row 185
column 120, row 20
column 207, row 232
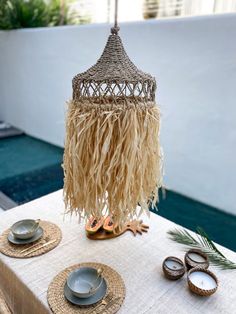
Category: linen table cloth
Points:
column 24, row 282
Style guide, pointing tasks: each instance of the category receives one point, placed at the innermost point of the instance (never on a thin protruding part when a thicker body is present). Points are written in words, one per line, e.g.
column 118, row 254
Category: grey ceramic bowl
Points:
column 84, row 282
column 25, row 229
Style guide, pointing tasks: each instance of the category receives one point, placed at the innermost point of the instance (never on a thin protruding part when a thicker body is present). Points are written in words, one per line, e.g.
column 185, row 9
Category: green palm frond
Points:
column 203, row 242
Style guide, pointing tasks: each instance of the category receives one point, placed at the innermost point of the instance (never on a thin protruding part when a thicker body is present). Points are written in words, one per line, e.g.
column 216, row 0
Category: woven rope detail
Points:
column 114, row 75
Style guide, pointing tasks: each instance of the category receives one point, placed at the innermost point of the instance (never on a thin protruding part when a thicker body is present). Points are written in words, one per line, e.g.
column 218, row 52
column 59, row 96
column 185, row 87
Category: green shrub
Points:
column 58, row 13
column 35, row 13
column 23, row 14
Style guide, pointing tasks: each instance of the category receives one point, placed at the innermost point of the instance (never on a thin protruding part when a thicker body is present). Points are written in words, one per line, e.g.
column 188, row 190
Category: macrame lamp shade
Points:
column 112, row 158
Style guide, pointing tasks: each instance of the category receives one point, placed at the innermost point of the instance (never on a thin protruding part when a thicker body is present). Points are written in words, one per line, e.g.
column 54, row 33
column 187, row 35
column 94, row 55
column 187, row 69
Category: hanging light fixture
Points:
column 112, row 158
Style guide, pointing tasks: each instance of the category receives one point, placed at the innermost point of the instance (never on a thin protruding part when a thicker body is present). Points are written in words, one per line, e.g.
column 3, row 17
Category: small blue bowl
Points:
column 84, row 282
column 25, row 229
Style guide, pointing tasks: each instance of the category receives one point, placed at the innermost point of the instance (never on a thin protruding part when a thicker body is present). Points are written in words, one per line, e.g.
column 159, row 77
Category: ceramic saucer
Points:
column 99, row 295
column 36, row 237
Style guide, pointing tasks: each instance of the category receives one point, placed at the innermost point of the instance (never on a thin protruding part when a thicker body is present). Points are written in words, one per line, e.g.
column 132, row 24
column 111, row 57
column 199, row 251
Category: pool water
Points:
column 31, row 168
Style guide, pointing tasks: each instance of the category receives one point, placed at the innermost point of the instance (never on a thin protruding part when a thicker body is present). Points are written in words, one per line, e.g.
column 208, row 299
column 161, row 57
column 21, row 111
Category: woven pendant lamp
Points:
column 112, row 158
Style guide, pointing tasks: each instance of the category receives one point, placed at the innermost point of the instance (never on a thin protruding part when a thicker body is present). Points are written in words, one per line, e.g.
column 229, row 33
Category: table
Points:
column 25, row 281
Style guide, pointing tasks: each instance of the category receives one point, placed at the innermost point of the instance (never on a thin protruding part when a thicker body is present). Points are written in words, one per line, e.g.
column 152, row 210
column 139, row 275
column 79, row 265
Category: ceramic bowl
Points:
column 84, row 282
column 25, row 229
column 99, row 295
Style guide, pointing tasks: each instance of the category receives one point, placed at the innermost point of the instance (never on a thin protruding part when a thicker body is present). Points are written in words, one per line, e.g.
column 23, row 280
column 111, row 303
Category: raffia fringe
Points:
column 112, row 159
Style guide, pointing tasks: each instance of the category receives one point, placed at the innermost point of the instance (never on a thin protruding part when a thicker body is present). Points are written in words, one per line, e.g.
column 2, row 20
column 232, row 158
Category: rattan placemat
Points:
column 115, row 293
column 51, row 238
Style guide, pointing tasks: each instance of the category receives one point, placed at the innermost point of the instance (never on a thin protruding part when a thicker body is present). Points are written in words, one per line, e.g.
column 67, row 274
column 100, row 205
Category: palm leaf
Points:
column 203, row 242
column 208, row 241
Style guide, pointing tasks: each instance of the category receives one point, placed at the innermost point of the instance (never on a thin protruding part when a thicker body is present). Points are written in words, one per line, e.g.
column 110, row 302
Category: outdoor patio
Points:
column 190, row 52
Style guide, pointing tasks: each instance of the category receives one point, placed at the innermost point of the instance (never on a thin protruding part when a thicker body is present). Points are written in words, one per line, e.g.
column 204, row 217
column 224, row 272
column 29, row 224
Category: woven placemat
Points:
column 51, row 233
column 115, row 291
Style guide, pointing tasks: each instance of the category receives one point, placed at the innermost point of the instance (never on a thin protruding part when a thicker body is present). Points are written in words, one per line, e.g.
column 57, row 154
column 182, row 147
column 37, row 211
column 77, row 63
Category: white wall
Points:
column 194, row 61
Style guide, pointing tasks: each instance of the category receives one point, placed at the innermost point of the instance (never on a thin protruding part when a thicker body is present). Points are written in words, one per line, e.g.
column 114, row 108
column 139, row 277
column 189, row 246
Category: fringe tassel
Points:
column 112, row 160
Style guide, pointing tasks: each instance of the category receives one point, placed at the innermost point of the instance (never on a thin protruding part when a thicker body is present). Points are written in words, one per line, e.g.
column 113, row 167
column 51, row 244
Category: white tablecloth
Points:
column 138, row 259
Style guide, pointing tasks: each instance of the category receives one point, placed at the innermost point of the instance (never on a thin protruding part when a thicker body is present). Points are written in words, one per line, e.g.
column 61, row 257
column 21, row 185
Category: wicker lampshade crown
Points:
column 114, row 76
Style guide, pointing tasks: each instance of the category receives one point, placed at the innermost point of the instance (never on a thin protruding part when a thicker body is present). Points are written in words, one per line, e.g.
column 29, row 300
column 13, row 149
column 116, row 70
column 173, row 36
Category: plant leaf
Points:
column 203, row 242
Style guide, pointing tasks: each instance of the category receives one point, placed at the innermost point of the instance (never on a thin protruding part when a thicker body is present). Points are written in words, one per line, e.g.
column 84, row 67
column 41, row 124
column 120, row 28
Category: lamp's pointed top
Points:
column 114, row 65
column 114, row 74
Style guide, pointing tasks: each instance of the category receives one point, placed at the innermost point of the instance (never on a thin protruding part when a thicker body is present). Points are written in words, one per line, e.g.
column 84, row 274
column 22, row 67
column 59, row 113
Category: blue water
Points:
column 31, row 168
